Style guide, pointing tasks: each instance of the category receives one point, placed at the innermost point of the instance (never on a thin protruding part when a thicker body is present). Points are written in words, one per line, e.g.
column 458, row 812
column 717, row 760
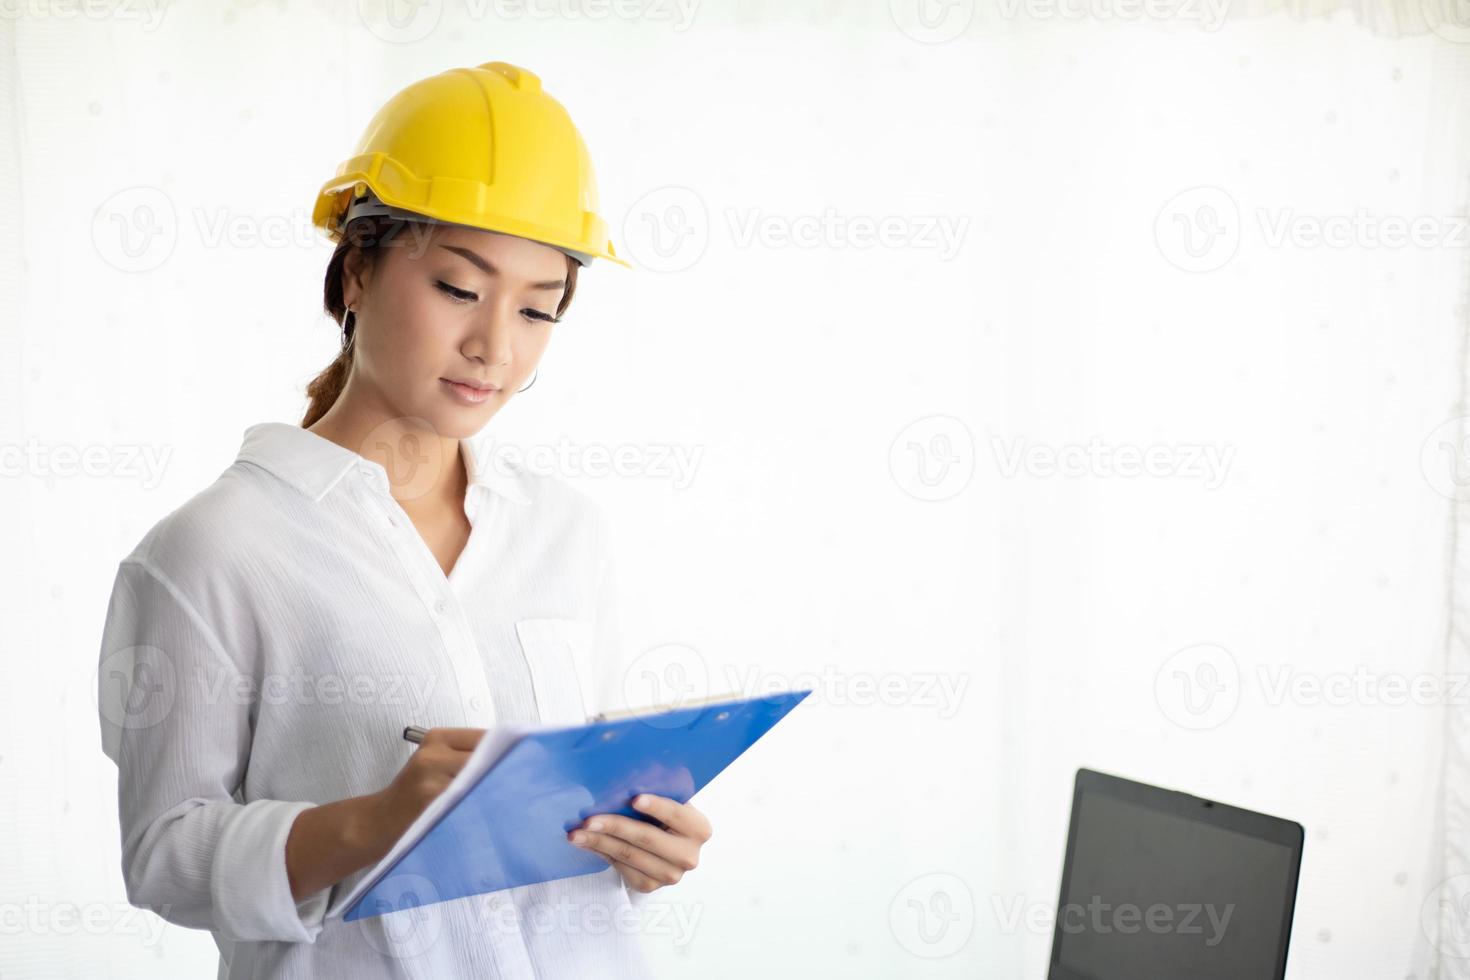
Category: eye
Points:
column 455, row 293
column 458, row 295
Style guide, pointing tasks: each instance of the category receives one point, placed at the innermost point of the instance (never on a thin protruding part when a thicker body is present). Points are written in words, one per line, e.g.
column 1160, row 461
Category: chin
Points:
column 461, row 422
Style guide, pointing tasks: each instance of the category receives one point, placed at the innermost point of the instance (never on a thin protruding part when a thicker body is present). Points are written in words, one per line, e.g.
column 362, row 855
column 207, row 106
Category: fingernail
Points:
column 579, row 838
column 595, row 825
column 641, row 802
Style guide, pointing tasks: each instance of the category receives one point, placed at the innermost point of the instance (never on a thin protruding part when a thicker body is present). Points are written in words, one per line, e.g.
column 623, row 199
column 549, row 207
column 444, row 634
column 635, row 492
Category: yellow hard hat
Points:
column 482, row 147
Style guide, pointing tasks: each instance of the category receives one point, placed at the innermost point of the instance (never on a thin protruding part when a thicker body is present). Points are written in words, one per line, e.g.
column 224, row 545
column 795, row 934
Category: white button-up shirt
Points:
column 265, row 645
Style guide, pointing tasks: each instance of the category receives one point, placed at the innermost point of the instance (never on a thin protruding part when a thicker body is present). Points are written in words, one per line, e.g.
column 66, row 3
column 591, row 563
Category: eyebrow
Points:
column 490, row 270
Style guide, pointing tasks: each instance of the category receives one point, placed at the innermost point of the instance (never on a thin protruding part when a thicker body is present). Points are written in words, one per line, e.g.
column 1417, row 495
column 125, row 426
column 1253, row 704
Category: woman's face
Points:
column 446, row 304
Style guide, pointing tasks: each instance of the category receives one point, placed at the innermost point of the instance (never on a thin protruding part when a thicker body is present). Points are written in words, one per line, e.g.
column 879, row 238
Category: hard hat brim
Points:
column 340, row 195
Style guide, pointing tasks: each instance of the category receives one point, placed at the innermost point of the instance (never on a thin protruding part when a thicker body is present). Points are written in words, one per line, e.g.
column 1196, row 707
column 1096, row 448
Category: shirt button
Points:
column 477, row 702
column 439, row 607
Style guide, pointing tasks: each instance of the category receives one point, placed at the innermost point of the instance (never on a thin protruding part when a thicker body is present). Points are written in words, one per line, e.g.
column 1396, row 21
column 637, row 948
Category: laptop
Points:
column 1161, row 885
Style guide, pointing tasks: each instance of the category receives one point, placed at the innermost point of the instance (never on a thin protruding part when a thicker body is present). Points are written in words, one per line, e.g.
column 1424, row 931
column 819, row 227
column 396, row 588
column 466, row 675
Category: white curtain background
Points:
column 1045, row 390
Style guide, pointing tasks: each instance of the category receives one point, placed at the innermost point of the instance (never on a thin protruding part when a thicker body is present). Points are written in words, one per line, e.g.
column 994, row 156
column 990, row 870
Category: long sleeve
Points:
column 175, row 711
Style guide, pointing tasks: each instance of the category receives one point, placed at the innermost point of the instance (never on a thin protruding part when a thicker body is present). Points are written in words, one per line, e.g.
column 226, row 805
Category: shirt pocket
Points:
column 557, row 651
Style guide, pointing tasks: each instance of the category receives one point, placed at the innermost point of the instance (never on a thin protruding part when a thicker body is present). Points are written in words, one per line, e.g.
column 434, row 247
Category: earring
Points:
column 533, row 380
column 349, row 328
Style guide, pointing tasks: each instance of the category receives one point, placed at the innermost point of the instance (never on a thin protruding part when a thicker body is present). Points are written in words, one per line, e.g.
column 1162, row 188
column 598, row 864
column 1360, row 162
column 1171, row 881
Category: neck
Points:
column 424, row 468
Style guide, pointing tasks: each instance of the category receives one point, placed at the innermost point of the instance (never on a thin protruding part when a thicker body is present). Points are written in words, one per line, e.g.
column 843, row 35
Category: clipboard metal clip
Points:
column 661, row 709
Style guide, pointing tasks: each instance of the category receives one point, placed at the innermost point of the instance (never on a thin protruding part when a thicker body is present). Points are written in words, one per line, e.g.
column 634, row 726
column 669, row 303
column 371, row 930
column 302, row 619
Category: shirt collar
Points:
column 314, row 464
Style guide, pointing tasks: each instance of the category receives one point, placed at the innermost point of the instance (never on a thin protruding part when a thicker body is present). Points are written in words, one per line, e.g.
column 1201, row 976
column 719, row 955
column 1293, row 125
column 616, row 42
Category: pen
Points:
column 415, row 734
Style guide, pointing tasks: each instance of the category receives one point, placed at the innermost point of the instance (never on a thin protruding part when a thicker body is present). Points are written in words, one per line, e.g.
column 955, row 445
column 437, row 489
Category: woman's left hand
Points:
column 647, row 856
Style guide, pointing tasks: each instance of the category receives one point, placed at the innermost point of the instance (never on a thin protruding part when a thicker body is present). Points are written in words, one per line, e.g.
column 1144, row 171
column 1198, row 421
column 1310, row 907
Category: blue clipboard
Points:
column 510, row 827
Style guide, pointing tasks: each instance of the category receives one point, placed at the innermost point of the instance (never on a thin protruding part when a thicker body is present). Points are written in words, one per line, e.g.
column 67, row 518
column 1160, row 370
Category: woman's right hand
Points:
column 432, row 767
column 329, row 842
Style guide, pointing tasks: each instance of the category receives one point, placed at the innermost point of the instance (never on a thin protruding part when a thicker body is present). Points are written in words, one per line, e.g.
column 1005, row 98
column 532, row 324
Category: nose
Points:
column 489, row 340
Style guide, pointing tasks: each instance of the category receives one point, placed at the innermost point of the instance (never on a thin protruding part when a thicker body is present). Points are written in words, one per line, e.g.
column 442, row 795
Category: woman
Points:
column 267, row 642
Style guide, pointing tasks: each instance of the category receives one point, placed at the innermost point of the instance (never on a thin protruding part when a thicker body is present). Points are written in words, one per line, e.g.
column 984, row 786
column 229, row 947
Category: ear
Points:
column 357, row 272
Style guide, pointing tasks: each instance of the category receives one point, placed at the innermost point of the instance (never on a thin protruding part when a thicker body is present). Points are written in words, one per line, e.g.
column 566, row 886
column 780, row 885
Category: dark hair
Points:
column 372, row 236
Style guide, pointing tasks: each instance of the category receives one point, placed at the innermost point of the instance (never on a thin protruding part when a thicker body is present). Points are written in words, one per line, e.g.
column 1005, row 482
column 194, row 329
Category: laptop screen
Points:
column 1167, row 888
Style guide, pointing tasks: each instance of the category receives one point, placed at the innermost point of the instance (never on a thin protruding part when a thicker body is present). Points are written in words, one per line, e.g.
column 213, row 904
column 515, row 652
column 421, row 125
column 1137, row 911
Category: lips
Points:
column 467, row 392
column 472, row 383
